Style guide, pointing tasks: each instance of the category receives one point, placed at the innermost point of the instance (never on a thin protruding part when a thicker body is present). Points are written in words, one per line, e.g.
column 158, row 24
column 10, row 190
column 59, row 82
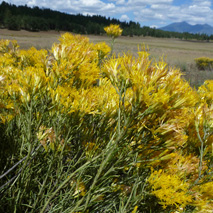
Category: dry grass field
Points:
column 175, row 51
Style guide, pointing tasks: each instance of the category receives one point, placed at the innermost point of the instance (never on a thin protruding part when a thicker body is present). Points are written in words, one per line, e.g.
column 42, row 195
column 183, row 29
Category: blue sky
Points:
column 154, row 13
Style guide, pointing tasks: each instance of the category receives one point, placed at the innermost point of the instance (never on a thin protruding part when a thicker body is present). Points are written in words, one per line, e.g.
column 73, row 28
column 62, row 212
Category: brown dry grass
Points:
column 40, row 40
column 175, row 51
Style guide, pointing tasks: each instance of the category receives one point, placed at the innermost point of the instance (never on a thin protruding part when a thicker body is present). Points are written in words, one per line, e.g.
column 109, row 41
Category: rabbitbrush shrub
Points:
column 204, row 63
column 82, row 131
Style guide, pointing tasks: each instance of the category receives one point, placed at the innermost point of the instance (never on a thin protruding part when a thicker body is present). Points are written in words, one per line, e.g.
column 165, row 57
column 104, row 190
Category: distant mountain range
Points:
column 182, row 27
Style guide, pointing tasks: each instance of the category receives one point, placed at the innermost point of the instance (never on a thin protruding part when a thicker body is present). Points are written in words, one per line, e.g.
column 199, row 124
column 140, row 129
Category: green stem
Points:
column 43, row 185
column 64, row 183
column 201, row 152
column 111, row 147
column 104, row 162
column 112, row 45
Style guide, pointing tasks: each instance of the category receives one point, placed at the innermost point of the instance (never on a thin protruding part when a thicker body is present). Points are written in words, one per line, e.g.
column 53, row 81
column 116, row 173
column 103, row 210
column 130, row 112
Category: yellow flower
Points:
column 80, row 188
column 135, row 209
column 90, row 148
column 203, row 195
column 4, row 45
column 75, row 58
column 103, row 49
column 113, row 30
column 1, row 78
column 169, row 189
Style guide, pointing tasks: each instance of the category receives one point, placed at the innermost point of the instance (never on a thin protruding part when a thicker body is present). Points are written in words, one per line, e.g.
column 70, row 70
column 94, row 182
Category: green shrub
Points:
column 85, row 132
column 204, row 63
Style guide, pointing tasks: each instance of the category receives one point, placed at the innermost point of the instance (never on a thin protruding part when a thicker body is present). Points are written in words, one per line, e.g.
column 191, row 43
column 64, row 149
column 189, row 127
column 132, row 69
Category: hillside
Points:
column 182, row 27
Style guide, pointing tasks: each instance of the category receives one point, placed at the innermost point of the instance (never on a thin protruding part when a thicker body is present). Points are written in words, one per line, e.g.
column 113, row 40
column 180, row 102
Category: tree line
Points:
column 15, row 17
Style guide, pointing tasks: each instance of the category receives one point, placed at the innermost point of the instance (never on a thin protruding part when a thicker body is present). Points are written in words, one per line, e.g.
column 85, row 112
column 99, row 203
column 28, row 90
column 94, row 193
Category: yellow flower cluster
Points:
column 203, row 197
column 169, row 189
column 149, row 103
column 49, row 139
column 201, row 124
column 103, row 50
column 113, row 30
column 66, row 74
column 24, row 76
column 178, row 178
column 160, row 94
column 204, row 63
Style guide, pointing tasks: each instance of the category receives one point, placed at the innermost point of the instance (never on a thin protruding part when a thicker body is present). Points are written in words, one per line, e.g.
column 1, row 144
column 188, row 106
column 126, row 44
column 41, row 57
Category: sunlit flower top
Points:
column 113, row 30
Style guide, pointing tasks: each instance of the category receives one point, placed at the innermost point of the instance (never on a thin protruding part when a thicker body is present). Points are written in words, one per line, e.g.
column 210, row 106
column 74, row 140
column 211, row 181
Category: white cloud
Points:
column 124, row 18
column 119, row 1
column 160, row 7
column 88, row 14
column 198, row 12
column 202, row 3
column 81, row 6
column 148, row 2
column 154, row 26
column 146, row 12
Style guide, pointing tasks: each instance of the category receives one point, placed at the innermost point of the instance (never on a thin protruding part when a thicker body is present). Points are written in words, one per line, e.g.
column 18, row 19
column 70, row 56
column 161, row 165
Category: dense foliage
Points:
column 82, row 131
column 204, row 63
column 36, row 19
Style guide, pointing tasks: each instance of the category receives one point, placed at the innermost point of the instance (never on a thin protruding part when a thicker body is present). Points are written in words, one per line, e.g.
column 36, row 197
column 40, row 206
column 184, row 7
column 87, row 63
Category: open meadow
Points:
column 176, row 52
